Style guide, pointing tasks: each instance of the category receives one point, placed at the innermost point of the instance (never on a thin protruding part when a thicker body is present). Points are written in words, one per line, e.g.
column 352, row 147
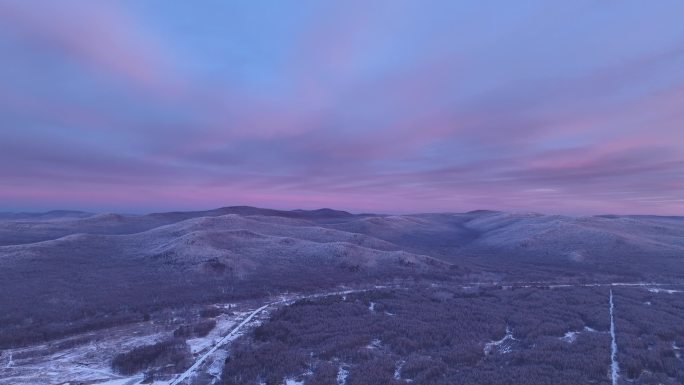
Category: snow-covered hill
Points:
column 76, row 268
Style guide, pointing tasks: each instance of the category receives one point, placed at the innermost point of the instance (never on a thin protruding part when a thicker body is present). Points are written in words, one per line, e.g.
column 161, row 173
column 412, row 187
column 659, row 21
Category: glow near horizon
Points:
column 394, row 106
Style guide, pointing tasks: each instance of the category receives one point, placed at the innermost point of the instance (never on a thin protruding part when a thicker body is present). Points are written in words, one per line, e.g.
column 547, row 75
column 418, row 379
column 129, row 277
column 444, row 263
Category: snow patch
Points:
column 397, row 371
column 223, row 325
column 677, row 350
column 570, row 337
column 216, row 367
column 291, row 381
column 371, row 307
column 342, row 374
column 503, row 345
column 376, row 343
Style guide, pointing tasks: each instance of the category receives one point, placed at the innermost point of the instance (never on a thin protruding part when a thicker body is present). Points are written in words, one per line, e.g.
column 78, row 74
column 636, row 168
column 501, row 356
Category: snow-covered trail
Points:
column 554, row 285
column 234, row 333
column 228, row 337
column 614, row 366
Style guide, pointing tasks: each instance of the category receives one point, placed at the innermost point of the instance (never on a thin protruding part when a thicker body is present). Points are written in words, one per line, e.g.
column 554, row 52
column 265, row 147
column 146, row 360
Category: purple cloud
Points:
column 382, row 107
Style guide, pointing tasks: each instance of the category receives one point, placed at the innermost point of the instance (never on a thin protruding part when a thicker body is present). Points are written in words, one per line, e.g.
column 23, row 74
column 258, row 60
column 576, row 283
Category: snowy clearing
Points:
column 503, row 345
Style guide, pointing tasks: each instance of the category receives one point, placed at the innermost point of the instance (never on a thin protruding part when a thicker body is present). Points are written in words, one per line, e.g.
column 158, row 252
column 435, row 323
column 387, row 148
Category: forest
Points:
column 433, row 335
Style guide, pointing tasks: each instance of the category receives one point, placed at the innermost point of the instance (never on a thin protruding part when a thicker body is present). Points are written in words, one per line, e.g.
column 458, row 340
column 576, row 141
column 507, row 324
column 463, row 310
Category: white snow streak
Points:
column 555, row 285
column 397, row 371
column 668, row 291
column 120, row 381
column 614, row 367
column 570, row 337
column 676, row 350
column 376, row 343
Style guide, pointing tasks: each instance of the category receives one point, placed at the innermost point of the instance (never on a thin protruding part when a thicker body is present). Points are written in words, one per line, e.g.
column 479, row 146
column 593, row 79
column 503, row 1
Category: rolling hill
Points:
column 63, row 272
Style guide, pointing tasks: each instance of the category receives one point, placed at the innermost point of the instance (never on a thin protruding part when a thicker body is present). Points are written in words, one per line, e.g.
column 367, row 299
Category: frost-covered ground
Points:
column 88, row 361
column 240, row 252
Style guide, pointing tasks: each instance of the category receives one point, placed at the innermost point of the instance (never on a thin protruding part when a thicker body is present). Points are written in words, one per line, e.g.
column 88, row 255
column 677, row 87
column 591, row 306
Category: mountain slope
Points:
column 69, row 274
column 80, row 280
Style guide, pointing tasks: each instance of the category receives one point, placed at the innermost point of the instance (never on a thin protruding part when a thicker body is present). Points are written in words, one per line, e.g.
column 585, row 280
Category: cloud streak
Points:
column 389, row 107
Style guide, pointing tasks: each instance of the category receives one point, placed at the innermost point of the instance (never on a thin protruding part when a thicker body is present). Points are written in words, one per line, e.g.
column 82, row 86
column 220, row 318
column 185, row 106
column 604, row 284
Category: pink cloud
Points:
column 98, row 34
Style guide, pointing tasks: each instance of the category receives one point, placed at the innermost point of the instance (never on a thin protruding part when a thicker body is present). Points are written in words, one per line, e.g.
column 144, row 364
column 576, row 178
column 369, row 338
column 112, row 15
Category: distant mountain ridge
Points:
column 69, row 263
column 53, row 214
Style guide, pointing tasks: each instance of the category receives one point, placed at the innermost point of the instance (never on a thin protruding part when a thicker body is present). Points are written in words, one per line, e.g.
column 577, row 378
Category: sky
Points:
column 570, row 107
